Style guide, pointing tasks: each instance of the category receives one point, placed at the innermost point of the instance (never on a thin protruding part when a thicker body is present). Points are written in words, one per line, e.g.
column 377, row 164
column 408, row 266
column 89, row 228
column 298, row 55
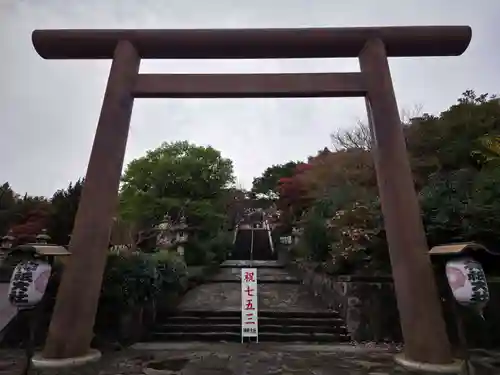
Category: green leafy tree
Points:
column 64, row 204
column 268, row 183
column 8, row 201
column 444, row 202
column 483, row 209
column 177, row 178
column 451, row 141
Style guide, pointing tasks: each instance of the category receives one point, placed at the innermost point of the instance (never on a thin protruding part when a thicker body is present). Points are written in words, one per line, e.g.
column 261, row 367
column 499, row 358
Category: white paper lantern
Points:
column 468, row 283
column 28, row 283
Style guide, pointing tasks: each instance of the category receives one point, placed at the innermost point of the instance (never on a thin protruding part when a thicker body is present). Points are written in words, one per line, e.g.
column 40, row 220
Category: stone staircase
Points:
column 274, row 326
column 287, row 312
column 258, row 248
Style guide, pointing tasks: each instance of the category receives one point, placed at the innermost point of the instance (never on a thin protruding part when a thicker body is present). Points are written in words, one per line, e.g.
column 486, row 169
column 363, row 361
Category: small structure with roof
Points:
column 172, row 236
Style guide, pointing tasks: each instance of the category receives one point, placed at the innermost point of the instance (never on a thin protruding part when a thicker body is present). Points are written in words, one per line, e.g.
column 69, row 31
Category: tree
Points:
column 267, row 184
column 8, row 200
column 177, row 178
column 293, row 194
column 454, row 139
column 360, row 137
column 30, row 217
column 454, row 157
column 64, row 204
column 329, row 170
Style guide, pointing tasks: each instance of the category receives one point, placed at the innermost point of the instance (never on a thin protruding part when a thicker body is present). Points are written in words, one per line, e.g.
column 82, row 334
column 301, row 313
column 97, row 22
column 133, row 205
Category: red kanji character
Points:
column 249, row 305
column 249, row 291
column 249, row 277
column 250, row 316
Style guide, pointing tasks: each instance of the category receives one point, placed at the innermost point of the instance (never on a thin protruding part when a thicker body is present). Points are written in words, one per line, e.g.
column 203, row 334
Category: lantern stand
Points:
column 29, row 252
column 446, row 253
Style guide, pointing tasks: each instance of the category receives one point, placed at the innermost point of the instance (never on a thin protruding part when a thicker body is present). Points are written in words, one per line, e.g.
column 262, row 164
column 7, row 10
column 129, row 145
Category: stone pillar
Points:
column 71, row 328
column 419, row 306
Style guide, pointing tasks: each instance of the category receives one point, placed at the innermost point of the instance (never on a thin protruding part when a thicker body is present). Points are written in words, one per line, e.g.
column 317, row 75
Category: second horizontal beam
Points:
column 250, row 85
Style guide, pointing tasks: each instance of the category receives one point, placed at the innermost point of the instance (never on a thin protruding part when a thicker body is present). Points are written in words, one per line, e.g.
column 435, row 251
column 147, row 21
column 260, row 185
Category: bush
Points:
column 444, row 204
column 129, row 280
column 203, row 251
column 317, row 237
column 221, row 246
column 359, row 244
column 172, row 271
column 197, row 252
column 463, row 206
column 344, row 231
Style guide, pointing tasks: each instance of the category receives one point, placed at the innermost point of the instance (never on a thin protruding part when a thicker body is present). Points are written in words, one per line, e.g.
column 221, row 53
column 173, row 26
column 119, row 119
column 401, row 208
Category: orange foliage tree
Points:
column 32, row 221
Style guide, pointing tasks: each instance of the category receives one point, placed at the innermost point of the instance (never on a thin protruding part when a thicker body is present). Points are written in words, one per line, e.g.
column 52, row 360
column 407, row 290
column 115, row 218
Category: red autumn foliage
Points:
column 320, row 174
column 293, row 195
column 32, row 223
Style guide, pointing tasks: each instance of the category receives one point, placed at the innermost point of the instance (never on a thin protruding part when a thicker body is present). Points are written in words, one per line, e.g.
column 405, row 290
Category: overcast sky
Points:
column 49, row 108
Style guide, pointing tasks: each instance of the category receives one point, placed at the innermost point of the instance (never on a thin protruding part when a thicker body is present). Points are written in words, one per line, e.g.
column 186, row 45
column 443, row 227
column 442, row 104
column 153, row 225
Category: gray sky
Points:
column 49, row 108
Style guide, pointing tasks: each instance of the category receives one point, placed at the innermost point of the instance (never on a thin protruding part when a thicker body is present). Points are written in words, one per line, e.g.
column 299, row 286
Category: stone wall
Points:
column 368, row 305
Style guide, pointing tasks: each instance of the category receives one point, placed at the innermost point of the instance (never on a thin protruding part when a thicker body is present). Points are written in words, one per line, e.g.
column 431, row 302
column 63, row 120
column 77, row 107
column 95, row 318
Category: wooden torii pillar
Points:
column 423, row 327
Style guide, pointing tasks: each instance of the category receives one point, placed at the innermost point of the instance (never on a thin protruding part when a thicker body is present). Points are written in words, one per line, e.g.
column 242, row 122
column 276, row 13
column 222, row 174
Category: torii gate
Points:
column 423, row 326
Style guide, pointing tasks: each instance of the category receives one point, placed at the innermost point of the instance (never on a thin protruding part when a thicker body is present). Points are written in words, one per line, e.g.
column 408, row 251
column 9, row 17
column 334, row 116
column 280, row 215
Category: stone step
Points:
column 236, row 337
column 261, row 313
column 267, row 280
column 277, row 326
column 263, row 328
column 236, row 320
column 234, row 263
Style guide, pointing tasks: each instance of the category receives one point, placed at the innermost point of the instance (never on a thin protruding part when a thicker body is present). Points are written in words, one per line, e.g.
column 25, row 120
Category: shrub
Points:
column 202, row 251
column 317, row 237
column 172, row 271
column 197, row 252
column 359, row 240
column 129, row 280
column 221, row 246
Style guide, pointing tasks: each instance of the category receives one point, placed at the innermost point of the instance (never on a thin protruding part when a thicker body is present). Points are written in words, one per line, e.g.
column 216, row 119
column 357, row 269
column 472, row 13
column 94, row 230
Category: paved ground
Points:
column 221, row 295
column 241, row 359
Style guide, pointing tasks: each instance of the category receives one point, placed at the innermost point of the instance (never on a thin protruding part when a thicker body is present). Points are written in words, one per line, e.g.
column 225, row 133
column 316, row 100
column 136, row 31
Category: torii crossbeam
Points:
column 422, row 323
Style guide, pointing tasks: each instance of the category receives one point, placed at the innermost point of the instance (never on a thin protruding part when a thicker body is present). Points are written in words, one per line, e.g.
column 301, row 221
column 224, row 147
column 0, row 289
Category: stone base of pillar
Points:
column 52, row 363
column 456, row 368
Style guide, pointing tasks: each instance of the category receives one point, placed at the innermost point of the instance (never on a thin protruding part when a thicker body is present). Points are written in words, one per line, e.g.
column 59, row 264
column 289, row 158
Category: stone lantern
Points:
column 181, row 235
column 164, row 237
column 8, row 240
column 296, row 232
column 6, row 245
column 43, row 237
column 172, row 236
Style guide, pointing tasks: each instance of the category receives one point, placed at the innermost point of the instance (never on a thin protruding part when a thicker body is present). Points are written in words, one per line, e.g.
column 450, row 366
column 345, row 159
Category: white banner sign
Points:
column 28, row 283
column 249, row 317
column 468, row 282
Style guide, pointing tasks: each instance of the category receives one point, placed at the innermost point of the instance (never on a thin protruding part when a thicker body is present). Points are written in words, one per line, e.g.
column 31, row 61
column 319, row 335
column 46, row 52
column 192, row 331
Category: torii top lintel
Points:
column 253, row 43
